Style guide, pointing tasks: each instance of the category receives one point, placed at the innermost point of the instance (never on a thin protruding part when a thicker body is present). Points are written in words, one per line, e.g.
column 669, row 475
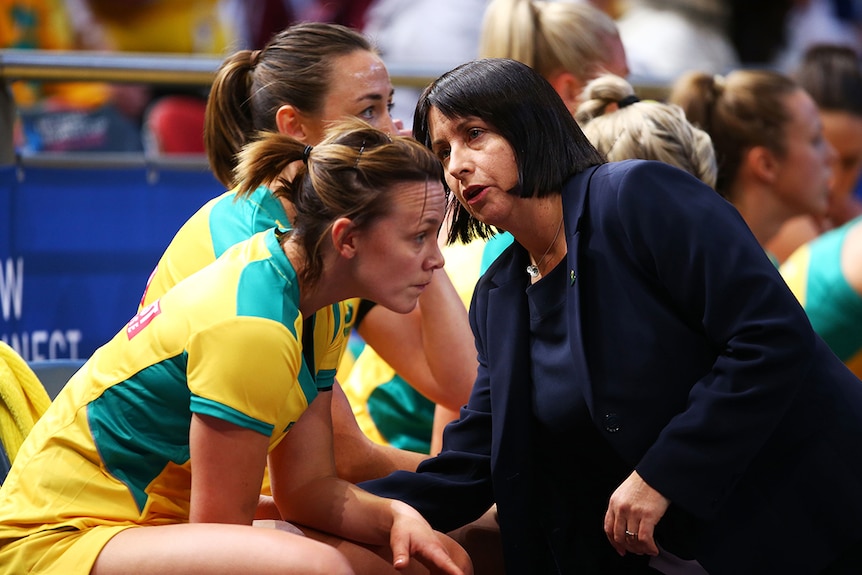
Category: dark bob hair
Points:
column 519, row 104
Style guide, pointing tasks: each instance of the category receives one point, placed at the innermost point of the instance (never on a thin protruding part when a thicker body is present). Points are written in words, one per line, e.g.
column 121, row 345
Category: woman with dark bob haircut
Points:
column 648, row 387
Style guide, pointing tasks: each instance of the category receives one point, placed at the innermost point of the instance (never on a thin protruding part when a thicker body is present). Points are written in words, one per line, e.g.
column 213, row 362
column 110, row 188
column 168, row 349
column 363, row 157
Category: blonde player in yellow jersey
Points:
column 307, row 76
column 151, row 458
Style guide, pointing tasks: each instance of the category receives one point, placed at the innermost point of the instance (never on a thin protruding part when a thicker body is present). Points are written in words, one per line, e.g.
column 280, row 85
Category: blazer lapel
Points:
column 575, row 210
column 509, row 340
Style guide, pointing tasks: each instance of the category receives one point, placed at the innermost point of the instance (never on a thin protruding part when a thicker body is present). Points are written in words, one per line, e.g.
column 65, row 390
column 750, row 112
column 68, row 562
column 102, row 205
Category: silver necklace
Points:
column 533, row 269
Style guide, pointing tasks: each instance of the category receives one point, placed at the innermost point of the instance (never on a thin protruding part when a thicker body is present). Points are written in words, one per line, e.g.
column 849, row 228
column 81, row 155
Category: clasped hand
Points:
column 634, row 510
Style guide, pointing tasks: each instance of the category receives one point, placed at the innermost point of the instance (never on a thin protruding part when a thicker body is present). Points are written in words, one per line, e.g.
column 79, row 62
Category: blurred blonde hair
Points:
column 548, row 36
column 649, row 130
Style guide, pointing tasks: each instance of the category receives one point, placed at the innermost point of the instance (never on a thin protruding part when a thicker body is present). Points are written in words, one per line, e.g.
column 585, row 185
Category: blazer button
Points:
column 612, row 423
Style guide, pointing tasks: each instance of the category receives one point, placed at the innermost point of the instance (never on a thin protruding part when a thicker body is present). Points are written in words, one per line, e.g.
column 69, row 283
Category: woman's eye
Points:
column 367, row 113
column 474, row 133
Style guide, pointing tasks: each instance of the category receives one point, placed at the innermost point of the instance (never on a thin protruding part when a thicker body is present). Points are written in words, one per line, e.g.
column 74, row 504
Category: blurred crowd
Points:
column 713, row 36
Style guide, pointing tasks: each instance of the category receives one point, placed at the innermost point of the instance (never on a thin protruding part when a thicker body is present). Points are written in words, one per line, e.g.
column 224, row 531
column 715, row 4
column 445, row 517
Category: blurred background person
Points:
column 61, row 116
column 170, row 117
column 569, row 43
column 666, row 38
column 260, row 20
column 832, row 75
column 773, row 160
column 825, row 272
column 812, row 22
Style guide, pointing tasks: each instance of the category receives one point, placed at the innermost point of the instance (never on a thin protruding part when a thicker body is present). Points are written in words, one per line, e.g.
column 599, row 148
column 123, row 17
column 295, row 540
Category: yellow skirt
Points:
column 66, row 552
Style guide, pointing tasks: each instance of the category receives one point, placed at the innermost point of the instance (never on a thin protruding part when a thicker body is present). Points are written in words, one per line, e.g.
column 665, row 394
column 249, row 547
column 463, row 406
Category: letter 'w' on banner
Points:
column 11, row 288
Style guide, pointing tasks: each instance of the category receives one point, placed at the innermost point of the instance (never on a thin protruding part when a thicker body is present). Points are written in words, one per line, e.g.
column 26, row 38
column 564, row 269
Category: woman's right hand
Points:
column 634, row 510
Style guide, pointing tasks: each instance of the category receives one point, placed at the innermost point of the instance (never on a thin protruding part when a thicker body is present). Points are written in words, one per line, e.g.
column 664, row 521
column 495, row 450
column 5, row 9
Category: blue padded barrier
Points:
column 77, row 246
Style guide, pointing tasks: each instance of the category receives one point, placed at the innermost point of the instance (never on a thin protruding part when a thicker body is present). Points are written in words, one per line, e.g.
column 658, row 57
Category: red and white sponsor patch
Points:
column 144, row 317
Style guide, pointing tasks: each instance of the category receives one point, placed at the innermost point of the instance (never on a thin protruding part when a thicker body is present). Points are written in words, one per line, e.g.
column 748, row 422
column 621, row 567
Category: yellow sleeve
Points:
column 246, row 370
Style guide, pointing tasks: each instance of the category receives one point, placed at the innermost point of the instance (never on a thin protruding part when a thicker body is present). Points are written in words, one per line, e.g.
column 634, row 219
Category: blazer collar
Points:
column 575, row 199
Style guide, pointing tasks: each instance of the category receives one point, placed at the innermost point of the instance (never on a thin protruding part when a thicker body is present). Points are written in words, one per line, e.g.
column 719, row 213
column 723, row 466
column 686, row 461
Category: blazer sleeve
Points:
column 695, row 251
column 453, row 488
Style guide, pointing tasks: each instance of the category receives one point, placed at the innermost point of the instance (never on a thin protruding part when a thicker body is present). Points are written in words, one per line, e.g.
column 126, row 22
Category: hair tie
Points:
column 253, row 58
column 628, row 101
column 306, row 153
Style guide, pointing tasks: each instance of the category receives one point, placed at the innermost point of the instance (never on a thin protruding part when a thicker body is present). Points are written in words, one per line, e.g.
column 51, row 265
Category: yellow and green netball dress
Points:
column 814, row 274
column 219, row 224
column 112, row 452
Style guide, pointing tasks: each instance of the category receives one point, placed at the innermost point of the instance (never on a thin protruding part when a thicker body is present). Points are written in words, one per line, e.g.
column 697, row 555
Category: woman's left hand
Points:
column 634, row 510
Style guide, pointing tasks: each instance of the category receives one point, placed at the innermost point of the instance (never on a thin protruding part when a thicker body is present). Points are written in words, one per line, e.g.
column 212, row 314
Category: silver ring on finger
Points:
column 631, row 533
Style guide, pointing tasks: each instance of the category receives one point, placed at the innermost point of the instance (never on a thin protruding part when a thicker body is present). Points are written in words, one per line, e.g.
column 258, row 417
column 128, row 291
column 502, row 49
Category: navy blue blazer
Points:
column 698, row 365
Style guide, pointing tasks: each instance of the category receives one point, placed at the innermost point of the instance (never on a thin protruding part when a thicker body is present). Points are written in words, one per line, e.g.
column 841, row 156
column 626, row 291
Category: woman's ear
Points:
column 289, row 120
column 344, row 235
column 762, row 163
column 569, row 88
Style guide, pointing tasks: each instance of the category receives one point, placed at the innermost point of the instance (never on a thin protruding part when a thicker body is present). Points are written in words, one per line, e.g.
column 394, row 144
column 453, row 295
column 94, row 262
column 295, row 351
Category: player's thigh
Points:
column 216, row 549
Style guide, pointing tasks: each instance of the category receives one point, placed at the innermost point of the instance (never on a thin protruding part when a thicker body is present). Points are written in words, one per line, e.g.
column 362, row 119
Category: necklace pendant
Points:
column 533, row 270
